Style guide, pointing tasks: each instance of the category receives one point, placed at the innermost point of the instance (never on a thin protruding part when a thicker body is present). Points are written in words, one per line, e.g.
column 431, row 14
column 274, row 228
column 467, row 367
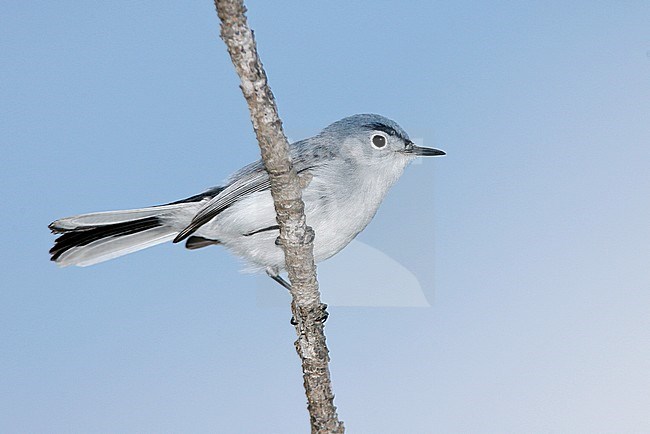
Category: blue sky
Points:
column 530, row 240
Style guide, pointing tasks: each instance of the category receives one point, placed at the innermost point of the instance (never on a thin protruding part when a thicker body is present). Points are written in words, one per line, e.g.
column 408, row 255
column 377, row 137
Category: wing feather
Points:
column 252, row 179
column 242, row 187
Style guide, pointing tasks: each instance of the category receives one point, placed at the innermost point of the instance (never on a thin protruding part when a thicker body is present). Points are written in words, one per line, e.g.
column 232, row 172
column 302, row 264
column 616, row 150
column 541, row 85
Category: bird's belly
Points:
column 335, row 228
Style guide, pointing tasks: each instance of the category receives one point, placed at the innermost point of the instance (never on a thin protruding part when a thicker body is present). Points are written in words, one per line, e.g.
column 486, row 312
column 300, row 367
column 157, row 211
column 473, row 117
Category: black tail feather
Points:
column 86, row 235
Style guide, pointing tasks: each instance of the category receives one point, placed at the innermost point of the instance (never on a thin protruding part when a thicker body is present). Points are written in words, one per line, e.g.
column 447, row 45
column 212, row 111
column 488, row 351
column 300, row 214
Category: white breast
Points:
column 338, row 209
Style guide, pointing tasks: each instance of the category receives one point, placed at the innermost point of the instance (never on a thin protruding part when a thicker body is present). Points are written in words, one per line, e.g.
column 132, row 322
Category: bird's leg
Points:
column 273, row 274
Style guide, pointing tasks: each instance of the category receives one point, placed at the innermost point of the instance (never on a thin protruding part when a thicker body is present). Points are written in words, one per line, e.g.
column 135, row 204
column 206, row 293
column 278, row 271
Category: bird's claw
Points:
column 324, row 314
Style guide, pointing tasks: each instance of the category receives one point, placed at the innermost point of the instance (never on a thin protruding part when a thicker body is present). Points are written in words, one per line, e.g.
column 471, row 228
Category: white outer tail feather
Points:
column 171, row 218
column 112, row 217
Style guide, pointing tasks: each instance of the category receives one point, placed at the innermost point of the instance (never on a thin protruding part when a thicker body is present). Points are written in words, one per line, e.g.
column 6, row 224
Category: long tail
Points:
column 92, row 238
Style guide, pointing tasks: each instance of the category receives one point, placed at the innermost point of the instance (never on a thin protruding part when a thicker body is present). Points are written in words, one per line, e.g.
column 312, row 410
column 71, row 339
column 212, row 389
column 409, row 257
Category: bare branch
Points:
column 296, row 237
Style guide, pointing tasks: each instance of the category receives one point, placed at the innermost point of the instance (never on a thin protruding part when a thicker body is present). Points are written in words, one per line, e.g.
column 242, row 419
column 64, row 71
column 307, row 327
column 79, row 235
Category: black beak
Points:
column 412, row 148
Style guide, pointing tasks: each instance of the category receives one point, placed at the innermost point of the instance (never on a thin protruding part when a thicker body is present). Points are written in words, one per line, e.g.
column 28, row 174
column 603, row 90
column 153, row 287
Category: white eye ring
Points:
column 378, row 141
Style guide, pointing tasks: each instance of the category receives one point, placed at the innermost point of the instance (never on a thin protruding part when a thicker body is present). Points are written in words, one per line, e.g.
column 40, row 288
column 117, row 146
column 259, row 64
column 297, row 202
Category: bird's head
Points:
column 373, row 140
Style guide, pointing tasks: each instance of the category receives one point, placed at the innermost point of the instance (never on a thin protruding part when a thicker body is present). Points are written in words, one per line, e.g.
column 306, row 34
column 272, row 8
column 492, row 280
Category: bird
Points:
column 345, row 170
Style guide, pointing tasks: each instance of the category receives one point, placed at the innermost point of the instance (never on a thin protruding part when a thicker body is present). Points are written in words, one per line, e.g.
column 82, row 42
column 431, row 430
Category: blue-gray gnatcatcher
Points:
column 346, row 169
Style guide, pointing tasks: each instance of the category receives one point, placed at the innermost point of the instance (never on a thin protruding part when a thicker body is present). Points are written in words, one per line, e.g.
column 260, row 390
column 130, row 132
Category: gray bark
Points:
column 296, row 238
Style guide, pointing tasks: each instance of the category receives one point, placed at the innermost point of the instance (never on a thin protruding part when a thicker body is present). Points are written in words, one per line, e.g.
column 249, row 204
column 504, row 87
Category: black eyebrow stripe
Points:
column 385, row 128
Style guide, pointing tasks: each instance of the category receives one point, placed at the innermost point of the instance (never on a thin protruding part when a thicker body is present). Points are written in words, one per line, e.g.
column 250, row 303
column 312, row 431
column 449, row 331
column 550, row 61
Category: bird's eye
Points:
column 378, row 141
